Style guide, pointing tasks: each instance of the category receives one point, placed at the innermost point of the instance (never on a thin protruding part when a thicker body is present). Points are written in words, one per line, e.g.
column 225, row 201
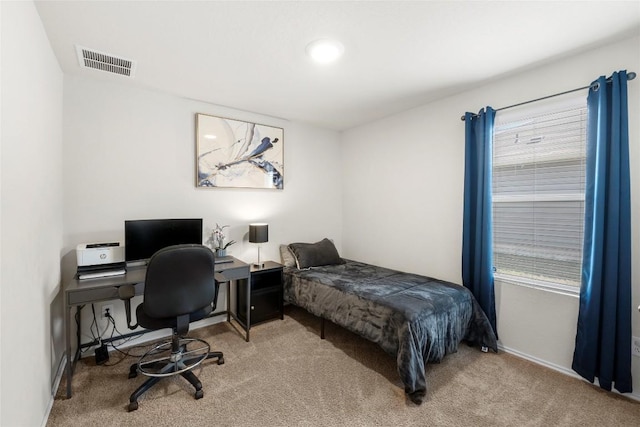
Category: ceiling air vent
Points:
column 90, row 58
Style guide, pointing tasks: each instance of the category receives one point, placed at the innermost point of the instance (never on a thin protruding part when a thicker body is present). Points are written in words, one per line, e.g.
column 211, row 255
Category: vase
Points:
column 221, row 252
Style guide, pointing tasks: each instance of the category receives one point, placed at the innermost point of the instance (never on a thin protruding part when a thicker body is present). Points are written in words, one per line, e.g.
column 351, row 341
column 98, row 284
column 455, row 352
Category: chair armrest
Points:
column 126, row 292
column 220, row 277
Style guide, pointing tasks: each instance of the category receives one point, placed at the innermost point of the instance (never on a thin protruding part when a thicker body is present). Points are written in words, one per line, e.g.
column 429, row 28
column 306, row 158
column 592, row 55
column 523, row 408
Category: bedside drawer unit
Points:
column 266, row 294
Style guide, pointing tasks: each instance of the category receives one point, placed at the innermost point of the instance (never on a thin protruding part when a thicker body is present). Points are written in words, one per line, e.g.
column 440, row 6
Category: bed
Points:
column 415, row 318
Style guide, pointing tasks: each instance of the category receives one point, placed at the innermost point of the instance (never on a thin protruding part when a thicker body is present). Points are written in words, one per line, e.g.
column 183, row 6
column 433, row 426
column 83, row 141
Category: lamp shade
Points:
column 258, row 233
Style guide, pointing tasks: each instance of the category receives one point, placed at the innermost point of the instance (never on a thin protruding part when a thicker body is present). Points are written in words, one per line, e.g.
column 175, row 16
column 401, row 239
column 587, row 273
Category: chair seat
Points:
column 168, row 322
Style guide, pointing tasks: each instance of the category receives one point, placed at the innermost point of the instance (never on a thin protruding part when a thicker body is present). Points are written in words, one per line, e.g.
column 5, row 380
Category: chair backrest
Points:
column 179, row 280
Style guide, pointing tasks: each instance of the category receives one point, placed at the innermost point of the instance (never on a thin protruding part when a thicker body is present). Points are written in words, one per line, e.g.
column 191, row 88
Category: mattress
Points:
column 415, row 318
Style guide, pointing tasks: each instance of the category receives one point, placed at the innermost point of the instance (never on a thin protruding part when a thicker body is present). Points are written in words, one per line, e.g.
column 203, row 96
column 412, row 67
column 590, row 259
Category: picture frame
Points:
column 237, row 154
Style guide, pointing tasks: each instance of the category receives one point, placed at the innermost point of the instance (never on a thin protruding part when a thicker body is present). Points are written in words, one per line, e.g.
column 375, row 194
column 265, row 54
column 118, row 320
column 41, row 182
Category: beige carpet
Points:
column 288, row 376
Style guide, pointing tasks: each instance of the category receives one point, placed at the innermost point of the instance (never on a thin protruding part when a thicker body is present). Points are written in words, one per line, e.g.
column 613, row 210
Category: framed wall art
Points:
column 237, row 154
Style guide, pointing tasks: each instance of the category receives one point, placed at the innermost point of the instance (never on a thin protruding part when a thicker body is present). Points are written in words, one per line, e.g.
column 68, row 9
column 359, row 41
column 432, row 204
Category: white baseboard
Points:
column 561, row 369
column 54, row 389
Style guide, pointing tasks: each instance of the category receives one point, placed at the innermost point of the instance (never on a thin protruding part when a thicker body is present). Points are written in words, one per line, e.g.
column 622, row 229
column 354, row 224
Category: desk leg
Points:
column 229, row 301
column 248, row 306
column 70, row 357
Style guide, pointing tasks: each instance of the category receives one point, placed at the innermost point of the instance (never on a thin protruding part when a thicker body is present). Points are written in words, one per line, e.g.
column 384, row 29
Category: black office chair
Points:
column 180, row 287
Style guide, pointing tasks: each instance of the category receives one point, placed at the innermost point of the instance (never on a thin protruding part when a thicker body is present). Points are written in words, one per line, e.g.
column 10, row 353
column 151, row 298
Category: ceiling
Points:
column 398, row 55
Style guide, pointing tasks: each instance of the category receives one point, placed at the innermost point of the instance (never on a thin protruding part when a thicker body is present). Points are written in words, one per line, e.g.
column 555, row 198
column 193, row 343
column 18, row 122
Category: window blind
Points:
column 539, row 157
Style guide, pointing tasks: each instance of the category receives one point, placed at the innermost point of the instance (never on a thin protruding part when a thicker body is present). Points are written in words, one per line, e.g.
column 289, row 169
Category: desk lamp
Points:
column 258, row 233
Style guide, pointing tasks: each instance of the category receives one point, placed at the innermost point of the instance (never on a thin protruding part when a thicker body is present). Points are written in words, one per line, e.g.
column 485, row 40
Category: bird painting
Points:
column 238, row 154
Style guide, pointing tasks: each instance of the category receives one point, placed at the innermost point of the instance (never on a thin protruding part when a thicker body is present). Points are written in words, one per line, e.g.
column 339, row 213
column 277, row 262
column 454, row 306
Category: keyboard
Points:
column 99, row 274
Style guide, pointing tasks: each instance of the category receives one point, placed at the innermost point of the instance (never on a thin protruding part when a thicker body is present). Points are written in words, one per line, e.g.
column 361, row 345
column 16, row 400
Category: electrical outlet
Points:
column 106, row 308
column 635, row 346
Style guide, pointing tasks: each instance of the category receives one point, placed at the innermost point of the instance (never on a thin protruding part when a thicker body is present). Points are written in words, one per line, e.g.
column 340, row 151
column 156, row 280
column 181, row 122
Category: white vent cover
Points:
column 91, row 58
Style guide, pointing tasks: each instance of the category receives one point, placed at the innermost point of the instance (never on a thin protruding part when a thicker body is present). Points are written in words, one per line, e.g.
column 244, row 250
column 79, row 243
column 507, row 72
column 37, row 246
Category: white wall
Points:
column 403, row 197
column 130, row 154
column 31, row 227
column 1, row 102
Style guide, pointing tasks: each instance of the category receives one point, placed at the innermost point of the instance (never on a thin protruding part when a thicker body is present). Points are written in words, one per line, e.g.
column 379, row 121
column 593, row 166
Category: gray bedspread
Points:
column 416, row 318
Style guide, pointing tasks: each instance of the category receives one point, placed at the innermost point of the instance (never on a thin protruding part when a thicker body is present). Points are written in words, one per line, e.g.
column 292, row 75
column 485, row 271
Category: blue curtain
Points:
column 477, row 251
column 603, row 339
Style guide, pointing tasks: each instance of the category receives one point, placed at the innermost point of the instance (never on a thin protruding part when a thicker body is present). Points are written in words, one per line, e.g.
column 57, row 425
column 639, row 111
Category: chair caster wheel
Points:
column 221, row 361
column 133, row 406
column 199, row 394
column 133, row 372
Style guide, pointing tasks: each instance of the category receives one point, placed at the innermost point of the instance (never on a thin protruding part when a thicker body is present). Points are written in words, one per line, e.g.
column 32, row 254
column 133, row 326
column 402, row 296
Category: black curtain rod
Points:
column 630, row 76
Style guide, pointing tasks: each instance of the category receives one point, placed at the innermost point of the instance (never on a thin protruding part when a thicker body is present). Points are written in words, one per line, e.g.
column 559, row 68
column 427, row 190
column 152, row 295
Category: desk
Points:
column 81, row 292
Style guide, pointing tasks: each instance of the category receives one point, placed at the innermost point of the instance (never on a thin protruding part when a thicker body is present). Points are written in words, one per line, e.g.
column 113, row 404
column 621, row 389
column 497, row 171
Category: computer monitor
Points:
column 144, row 237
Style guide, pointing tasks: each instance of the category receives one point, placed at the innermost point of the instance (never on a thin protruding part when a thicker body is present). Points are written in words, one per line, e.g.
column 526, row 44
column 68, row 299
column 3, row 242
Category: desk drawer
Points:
column 87, row 296
column 235, row 273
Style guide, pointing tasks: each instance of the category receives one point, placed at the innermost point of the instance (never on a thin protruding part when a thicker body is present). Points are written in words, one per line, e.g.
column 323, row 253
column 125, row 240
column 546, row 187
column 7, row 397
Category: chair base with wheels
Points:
column 177, row 357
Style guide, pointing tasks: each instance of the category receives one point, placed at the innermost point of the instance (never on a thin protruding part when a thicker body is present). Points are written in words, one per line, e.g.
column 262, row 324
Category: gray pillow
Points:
column 308, row 255
column 288, row 260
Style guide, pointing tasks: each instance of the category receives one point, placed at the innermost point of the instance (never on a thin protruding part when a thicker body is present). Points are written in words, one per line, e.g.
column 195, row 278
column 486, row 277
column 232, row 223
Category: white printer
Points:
column 100, row 260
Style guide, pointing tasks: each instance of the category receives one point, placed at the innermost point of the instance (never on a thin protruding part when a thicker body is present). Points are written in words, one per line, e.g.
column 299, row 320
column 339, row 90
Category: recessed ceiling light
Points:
column 324, row 51
column 209, row 136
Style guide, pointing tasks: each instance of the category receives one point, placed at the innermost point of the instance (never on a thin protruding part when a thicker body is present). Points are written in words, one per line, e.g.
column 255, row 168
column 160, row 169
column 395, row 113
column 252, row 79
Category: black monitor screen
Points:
column 143, row 238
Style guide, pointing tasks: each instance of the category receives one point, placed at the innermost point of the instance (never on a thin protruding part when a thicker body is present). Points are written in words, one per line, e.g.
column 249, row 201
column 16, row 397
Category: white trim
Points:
column 557, row 288
column 151, row 335
column 561, row 369
column 54, row 389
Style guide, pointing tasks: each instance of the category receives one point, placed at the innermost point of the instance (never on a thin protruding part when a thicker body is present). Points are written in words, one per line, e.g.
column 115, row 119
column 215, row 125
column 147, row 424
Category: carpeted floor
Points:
column 288, row 376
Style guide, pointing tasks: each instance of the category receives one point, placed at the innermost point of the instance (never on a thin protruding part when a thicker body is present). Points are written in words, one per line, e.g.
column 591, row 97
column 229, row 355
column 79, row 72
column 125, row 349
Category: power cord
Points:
column 94, row 340
column 129, row 351
column 94, row 323
column 96, row 336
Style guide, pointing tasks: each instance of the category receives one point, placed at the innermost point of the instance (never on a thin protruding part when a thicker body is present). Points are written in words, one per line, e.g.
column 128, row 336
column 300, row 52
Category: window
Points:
column 539, row 158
